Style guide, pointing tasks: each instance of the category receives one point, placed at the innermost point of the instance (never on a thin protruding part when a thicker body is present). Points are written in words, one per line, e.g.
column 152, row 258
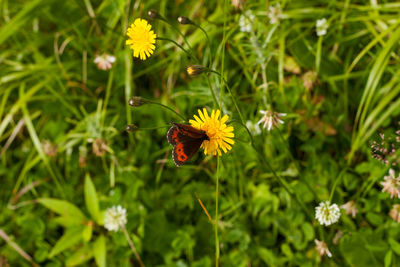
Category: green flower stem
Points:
column 164, row 106
column 295, row 162
column 230, row 92
column 245, row 127
column 178, row 45
column 179, row 32
column 216, row 215
column 336, row 182
column 212, row 91
column 128, row 238
column 280, row 180
column 208, row 42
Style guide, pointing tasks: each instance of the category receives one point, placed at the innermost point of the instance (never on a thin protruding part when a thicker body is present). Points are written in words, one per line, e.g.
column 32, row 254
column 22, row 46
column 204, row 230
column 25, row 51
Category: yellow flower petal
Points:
column 141, row 39
column 217, row 131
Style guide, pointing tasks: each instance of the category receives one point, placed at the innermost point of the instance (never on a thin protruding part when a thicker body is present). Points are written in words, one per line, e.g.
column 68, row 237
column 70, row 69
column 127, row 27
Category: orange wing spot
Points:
column 175, row 134
column 180, row 153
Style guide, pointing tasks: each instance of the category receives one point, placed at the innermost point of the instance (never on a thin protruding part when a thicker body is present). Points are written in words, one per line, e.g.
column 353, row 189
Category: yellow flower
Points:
column 141, row 39
column 218, row 132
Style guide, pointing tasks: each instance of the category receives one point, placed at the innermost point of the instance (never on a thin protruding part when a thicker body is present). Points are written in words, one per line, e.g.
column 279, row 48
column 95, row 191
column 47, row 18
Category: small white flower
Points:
column 104, row 61
column 322, row 248
column 321, row 26
column 254, row 128
column 115, row 218
column 271, row 118
column 274, row 13
column 246, row 21
column 326, row 213
column 391, row 184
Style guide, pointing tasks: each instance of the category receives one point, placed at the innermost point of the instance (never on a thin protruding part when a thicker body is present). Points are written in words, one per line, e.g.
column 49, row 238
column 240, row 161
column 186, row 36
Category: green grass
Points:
column 262, row 193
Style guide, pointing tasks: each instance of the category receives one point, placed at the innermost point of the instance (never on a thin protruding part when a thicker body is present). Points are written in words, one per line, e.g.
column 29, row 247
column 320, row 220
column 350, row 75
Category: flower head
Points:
column 141, row 39
column 322, row 248
column 271, row 118
column 395, row 213
column 326, row 213
column 104, row 61
column 218, row 132
column 350, row 208
column 115, row 218
column 391, row 184
column 321, row 26
column 246, row 21
column 274, row 13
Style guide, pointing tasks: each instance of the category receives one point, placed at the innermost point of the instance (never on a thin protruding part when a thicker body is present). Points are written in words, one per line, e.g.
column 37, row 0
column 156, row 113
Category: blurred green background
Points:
column 63, row 140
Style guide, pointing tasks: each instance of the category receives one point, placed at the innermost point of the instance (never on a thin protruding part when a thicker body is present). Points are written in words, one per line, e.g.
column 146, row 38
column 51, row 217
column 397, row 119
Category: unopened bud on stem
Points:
column 184, row 20
column 136, row 101
column 131, row 128
column 153, row 14
column 195, row 70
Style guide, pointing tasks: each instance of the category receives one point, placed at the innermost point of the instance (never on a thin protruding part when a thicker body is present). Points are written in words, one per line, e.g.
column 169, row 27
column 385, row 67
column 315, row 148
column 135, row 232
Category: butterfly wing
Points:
column 186, row 141
column 173, row 135
column 183, row 151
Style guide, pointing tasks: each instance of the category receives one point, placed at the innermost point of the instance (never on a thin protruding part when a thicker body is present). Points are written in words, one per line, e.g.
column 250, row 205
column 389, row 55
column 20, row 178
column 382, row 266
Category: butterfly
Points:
column 186, row 141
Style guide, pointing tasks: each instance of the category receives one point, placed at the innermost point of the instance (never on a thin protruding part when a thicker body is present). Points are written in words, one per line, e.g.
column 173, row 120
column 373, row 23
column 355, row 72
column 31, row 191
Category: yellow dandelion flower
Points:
column 141, row 39
column 218, row 132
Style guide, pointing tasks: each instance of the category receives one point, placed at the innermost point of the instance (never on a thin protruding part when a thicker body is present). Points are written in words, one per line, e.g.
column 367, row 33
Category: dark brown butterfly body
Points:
column 186, row 141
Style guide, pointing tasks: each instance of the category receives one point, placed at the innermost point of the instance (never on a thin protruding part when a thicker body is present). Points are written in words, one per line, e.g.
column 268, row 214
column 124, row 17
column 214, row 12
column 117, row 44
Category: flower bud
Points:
column 131, row 128
column 153, row 14
column 136, row 101
column 184, row 20
column 195, row 70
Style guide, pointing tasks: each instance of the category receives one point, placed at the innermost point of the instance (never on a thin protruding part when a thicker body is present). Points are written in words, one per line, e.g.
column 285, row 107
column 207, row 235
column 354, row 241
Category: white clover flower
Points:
column 322, row 248
column 391, row 184
column 104, row 61
column 254, row 128
column 274, row 13
column 115, row 218
column 326, row 213
column 321, row 26
column 246, row 21
column 271, row 118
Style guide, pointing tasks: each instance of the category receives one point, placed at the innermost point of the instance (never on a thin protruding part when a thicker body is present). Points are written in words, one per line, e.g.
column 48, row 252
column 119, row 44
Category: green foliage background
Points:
column 51, row 90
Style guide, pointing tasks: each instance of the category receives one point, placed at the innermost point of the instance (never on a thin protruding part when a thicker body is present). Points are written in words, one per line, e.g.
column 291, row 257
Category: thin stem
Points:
column 179, row 32
column 216, row 216
column 17, row 248
column 336, row 182
column 230, row 92
column 295, row 163
column 248, row 131
column 128, row 238
column 212, row 91
column 164, row 106
column 178, row 45
column 282, row 182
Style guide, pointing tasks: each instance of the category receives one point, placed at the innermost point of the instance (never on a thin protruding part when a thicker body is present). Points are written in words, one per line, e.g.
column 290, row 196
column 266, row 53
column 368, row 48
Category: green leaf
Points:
column 92, row 203
column 80, row 256
column 71, row 237
column 65, row 209
column 87, row 232
column 99, row 251
column 388, row 258
column 394, row 245
column 267, row 256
